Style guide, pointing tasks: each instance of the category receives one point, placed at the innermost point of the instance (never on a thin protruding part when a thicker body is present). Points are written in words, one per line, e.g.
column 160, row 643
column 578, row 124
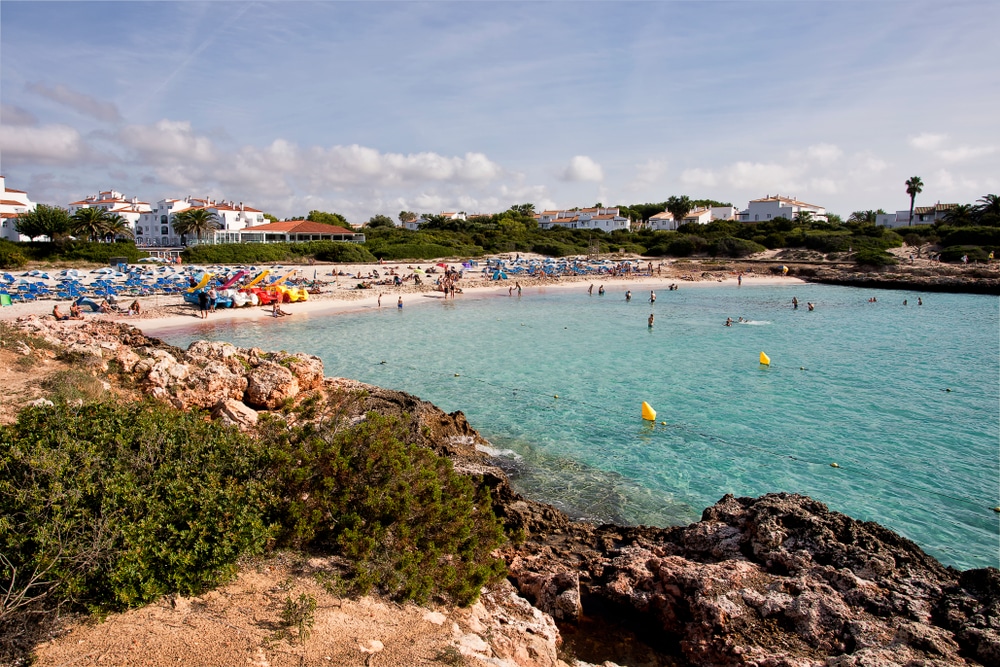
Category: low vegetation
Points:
column 106, row 505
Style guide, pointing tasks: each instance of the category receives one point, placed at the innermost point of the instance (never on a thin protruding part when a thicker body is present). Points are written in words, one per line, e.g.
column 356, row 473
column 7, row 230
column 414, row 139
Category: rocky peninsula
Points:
column 778, row 580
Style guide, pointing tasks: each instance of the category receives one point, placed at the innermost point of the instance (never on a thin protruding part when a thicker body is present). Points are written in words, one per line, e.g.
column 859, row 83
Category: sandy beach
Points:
column 339, row 291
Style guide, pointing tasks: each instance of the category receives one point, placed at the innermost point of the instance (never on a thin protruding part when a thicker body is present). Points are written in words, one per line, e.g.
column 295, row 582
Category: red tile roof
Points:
column 298, row 227
column 11, row 202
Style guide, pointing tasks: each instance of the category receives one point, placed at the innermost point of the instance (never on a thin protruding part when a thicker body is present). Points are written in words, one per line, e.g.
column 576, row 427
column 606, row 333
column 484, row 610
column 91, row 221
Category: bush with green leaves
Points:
column 729, row 246
column 874, row 257
column 11, row 256
column 956, row 252
column 410, row 527
column 109, row 505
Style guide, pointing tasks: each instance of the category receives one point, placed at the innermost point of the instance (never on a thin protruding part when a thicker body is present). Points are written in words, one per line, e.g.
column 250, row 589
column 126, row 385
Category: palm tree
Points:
column 116, row 226
column 803, row 218
column 914, row 186
column 864, row 217
column 988, row 210
column 89, row 222
column 959, row 214
column 195, row 221
column 679, row 207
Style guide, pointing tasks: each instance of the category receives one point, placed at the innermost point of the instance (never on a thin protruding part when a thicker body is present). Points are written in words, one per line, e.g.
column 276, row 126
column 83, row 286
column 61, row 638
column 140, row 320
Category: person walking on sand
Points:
column 379, row 299
column 739, row 280
column 203, row 304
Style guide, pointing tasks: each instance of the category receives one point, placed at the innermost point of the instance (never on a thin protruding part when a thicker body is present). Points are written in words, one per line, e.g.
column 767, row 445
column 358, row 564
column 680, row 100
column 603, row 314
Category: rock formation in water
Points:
column 773, row 581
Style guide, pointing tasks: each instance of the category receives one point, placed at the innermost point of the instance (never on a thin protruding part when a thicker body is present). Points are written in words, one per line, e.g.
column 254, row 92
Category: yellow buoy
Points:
column 834, row 465
column 648, row 412
column 765, row 360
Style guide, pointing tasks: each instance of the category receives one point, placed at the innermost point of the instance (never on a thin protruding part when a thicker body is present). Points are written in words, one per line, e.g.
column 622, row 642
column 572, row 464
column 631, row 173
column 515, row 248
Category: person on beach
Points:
column 213, row 296
column 74, row 311
column 135, row 308
column 276, row 310
column 203, row 304
column 379, row 303
column 628, row 296
column 518, row 288
column 649, row 322
column 58, row 314
column 399, row 303
column 739, row 280
column 590, row 290
column 652, row 296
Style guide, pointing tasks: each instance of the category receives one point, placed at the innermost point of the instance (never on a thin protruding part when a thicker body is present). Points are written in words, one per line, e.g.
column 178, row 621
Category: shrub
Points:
column 874, row 257
column 119, row 504
column 11, row 256
column 955, row 253
column 970, row 236
column 728, row 246
column 401, row 251
column 409, row 525
column 685, row 245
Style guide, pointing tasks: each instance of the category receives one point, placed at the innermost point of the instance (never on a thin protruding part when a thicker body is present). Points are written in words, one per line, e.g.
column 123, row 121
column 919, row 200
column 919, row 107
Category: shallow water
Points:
column 858, row 384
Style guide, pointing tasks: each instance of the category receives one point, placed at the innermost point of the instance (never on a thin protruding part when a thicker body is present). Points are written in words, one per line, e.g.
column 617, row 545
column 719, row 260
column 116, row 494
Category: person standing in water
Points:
column 652, row 296
column 795, row 303
column 628, row 296
column 399, row 303
column 650, row 321
column 590, row 290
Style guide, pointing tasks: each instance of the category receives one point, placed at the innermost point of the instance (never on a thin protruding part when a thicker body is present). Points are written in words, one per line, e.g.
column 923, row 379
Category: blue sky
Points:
column 378, row 107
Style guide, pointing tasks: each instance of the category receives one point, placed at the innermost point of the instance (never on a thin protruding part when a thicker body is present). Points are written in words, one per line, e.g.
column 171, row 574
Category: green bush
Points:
column 80, row 251
column 874, row 257
column 557, row 249
column 728, row 246
column 410, row 526
column 955, row 253
column 970, row 236
column 685, row 246
column 11, row 256
column 400, row 251
column 119, row 504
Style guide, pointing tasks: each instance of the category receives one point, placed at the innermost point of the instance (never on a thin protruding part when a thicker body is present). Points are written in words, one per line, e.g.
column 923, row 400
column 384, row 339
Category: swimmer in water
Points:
column 628, row 295
column 650, row 321
column 729, row 321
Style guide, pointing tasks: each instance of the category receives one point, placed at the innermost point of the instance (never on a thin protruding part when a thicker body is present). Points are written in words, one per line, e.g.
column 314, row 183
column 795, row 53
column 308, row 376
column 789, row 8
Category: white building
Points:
column 770, row 207
column 12, row 204
column 155, row 227
column 113, row 202
column 701, row 215
column 414, row 225
column 605, row 219
column 922, row 215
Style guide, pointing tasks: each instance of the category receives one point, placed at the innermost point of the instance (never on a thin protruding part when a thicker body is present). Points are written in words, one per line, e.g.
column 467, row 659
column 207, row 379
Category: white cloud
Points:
column 13, row 115
column 928, row 141
column 48, row 144
column 760, row 176
column 168, row 140
column 81, row 102
column 963, row 153
column 583, row 168
column 826, row 186
column 648, row 174
column 704, row 178
column 824, row 153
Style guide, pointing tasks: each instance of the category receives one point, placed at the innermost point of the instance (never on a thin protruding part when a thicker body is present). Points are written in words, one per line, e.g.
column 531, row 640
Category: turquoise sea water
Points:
column 859, row 384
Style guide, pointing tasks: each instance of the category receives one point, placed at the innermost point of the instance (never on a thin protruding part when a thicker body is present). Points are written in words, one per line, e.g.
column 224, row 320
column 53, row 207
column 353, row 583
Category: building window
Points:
column 163, row 230
column 163, row 219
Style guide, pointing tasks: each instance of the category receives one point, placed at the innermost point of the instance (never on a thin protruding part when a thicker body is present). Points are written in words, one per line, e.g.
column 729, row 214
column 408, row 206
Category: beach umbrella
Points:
column 418, row 271
column 442, row 265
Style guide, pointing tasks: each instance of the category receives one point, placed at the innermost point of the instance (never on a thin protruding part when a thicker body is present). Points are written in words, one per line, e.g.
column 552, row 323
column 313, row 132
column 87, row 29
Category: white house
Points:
column 155, row 227
column 12, row 204
column 922, row 215
column 113, row 202
column 770, row 207
column 605, row 219
column 662, row 222
column 414, row 225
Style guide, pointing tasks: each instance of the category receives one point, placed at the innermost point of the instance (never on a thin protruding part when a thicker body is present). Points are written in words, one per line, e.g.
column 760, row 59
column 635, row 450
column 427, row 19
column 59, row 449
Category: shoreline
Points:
column 171, row 312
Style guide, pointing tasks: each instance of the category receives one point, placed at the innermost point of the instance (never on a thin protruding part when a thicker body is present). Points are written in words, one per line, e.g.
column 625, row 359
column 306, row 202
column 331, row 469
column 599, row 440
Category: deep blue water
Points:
column 862, row 385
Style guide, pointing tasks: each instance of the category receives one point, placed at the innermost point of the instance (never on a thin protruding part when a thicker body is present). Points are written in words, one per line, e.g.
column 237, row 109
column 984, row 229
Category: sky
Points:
column 366, row 108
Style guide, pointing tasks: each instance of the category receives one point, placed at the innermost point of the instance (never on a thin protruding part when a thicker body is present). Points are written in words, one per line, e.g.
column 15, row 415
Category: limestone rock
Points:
column 269, row 385
column 231, row 411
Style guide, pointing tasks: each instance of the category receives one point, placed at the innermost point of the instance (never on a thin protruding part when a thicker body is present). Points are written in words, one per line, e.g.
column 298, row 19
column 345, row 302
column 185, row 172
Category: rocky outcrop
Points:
column 778, row 580
column 970, row 282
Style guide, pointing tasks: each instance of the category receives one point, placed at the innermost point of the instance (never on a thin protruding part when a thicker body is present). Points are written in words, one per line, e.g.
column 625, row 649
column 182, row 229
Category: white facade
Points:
column 725, row 213
column 662, row 222
column 12, row 203
column 414, row 225
column 891, row 220
column 770, row 207
column 113, row 202
column 156, row 228
column 605, row 219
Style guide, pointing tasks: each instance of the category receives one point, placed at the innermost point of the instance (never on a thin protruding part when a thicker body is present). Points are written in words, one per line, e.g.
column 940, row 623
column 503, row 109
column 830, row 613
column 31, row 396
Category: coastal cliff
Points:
column 776, row 580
